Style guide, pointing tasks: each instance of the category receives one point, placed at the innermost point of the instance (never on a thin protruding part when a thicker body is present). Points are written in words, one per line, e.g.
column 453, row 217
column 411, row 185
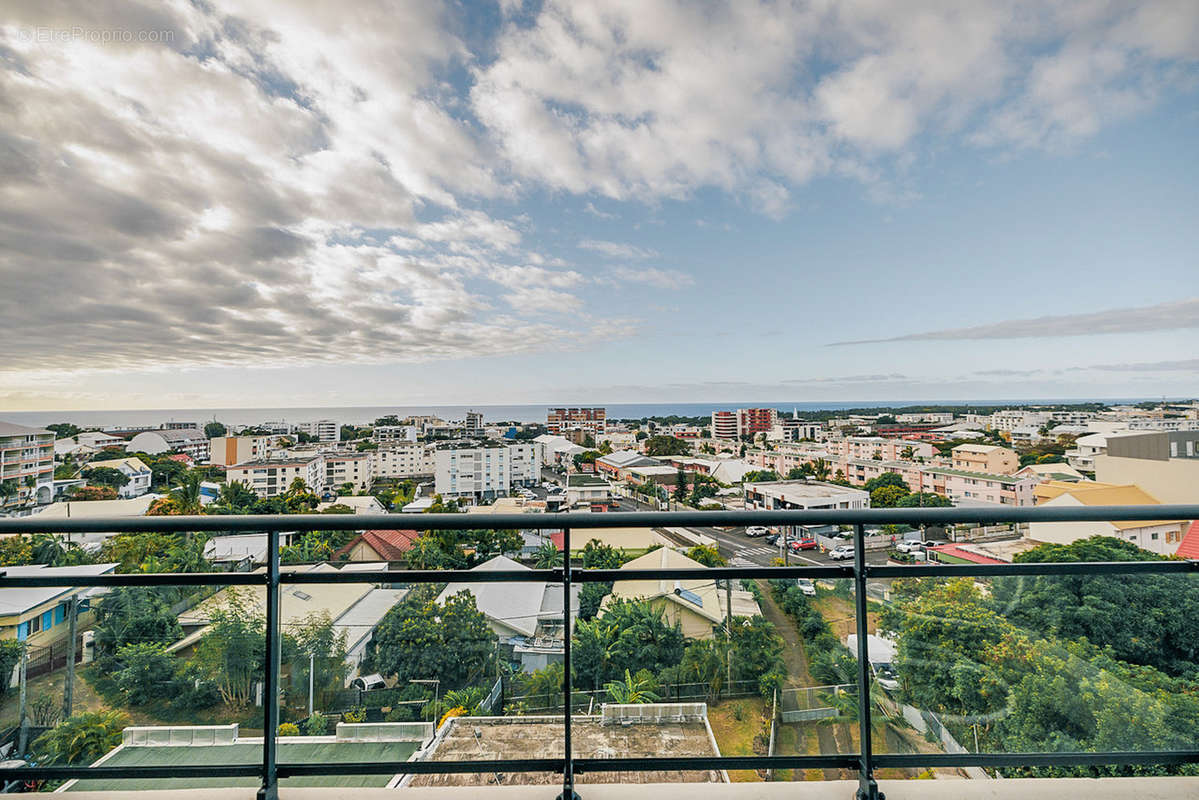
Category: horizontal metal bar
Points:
column 826, row 761
column 1164, row 757
column 831, row 760
column 426, row 576
column 137, row 579
column 1037, row 568
column 110, row 773
column 624, row 519
column 710, row 573
column 296, row 769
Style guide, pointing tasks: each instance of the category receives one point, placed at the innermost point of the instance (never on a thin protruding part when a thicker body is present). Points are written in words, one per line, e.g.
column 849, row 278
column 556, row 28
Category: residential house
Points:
column 698, row 605
column 134, row 469
column 36, row 614
column 616, row 465
column 1158, row 536
column 526, row 616
column 390, row 546
column 360, row 503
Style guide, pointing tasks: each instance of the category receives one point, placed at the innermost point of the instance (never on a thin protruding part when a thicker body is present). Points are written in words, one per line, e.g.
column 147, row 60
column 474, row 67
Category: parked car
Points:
column 756, row 530
column 803, row 544
column 914, row 544
column 886, row 676
column 806, row 586
column 772, row 538
column 841, row 552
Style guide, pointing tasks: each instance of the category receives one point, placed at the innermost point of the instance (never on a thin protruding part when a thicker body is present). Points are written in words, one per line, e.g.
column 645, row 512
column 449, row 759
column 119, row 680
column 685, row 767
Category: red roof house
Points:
column 1189, row 547
column 378, row 546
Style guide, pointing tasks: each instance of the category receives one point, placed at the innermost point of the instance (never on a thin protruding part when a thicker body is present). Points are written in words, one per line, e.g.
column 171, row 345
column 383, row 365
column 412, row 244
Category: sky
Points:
column 307, row 203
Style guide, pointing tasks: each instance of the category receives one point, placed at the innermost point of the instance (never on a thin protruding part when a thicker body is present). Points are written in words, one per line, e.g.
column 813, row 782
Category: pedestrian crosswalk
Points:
column 758, row 551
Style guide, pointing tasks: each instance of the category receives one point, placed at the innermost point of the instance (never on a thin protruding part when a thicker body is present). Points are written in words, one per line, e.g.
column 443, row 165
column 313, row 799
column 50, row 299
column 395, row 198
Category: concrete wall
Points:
column 1172, row 481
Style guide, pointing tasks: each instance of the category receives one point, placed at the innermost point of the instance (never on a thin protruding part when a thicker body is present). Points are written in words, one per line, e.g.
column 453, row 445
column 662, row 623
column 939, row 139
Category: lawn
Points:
column 735, row 737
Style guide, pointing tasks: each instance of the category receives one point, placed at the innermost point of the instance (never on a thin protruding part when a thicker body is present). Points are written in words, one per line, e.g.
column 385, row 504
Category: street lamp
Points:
column 436, row 687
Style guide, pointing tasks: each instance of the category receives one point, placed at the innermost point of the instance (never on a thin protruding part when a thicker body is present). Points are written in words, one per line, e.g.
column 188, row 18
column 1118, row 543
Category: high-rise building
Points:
column 474, row 423
column 589, row 420
column 26, row 464
column 743, row 422
column 323, row 430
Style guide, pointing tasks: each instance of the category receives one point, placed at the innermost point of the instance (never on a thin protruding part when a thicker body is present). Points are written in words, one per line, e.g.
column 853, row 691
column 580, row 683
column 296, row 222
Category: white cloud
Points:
column 659, row 278
column 617, row 249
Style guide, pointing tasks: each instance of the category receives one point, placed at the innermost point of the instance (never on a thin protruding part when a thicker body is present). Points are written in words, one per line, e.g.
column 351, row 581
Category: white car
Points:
column 841, row 552
column 913, row 545
column 756, row 530
column 806, row 586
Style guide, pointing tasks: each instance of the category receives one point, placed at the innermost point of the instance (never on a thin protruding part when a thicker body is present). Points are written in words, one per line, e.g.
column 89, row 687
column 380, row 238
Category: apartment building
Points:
column 323, row 430
column 474, row 423
column 1164, row 464
column 743, row 422
column 979, row 488
column 794, row 430
column 1010, row 419
column 403, row 460
column 860, row 470
column 773, row 495
column 1085, row 450
column 133, row 468
column 351, row 468
column 100, row 439
column 26, row 465
column 786, row 457
column 486, row 472
column 984, row 458
column 939, row 417
column 189, row 441
column 268, row 477
column 881, row 449
column 229, row 450
column 590, row 420
column 386, row 434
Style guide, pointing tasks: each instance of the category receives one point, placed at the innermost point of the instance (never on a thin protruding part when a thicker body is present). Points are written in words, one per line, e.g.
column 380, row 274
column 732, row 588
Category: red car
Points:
column 803, row 544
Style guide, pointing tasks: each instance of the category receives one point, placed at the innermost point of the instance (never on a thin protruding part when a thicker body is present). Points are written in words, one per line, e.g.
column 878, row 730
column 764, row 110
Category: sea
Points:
column 359, row 415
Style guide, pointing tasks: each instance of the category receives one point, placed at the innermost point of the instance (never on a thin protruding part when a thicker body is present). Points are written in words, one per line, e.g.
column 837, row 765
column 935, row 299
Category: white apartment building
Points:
column 273, row 476
column 787, row 429
column 323, row 430
column 1010, row 419
column 385, row 434
column 403, row 460
column 348, row 467
column 1085, row 450
column 803, row 495
column 483, row 473
column 944, row 417
column 26, row 464
column 474, row 423
column 229, row 450
column 189, row 441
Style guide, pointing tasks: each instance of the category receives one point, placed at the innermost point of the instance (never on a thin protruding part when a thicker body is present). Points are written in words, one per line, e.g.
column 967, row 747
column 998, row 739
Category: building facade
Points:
column 743, row 422
column 342, row 468
column 483, row 473
column 189, row 441
column 403, row 460
column 26, row 465
column 271, row 477
column 985, row 458
column 229, row 450
column 138, row 473
column 774, row 495
column 1166, row 465
column 323, row 430
column 590, row 420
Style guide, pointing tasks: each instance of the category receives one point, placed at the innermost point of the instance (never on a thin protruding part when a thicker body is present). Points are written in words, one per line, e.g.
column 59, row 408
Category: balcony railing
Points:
column 270, row 771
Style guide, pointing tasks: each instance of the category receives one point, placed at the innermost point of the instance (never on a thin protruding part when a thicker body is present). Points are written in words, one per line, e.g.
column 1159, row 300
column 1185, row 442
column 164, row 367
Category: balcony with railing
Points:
column 569, row 753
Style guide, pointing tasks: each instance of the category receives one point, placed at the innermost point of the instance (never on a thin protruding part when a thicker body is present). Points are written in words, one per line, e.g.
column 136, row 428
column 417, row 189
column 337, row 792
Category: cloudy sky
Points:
column 308, row 203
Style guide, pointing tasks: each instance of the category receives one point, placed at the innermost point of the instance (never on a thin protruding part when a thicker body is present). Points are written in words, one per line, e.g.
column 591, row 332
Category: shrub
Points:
column 316, row 725
column 82, row 738
column 289, row 729
column 355, row 714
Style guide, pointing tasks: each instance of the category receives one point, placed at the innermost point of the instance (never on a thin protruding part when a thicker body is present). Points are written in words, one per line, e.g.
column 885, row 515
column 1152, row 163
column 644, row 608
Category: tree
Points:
column 236, row 496
column 591, row 597
column 85, row 493
column 597, row 555
column 15, row 551
column 663, row 445
column 147, row 672
column 760, row 476
column 707, row 555
column 314, row 643
column 820, row 469
column 923, row 500
column 631, row 635
column 81, row 739
column 214, row 429
column 64, row 430
column 680, row 485
column 887, row 479
column 887, row 496
column 633, row 690
column 10, row 655
column 420, row 639
column 232, row 651
column 8, row 489
column 105, row 476
column 133, row 615
column 547, row 556
column 49, row 549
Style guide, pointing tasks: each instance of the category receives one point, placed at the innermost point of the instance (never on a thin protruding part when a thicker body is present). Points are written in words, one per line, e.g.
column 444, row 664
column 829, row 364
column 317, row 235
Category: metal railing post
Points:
column 568, row 767
column 867, row 787
column 270, row 693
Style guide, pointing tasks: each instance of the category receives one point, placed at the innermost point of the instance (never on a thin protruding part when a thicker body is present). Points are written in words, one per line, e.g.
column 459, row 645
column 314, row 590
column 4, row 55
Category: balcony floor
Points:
column 1011, row 789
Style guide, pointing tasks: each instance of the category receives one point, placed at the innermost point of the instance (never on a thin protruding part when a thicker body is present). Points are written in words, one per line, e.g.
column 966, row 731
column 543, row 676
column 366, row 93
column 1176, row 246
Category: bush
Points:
column 147, row 672
column 289, row 729
column 355, row 714
column 316, row 725
column 405, row 713
column 81, row 739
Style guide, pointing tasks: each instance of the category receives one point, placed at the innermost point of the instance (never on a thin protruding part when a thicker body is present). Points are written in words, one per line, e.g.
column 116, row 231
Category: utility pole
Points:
column 728, row 628
column 68, row 691
column 23, row 736
column 311, row 665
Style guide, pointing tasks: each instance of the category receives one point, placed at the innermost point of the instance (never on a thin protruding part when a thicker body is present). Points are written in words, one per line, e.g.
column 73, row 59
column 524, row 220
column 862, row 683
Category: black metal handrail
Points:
column 859, row 571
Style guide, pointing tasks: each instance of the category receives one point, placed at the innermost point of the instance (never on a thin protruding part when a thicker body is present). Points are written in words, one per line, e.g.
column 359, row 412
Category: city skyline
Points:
column 645, row 203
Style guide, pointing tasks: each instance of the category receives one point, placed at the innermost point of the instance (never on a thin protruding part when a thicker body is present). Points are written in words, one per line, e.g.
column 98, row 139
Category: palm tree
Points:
column 846, row 703
column 81, row 739
column 469, row 699
column 8, row 488
column 632, row 690
column 820, row 469
column 548, row 556
column 907, row 453
column 187, row 495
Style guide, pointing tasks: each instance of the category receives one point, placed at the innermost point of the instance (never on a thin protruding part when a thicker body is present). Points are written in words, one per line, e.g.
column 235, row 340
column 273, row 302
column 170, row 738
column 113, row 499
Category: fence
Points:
column 807, row 703
column 667, row 693
column 269, row 770
column 928, row 722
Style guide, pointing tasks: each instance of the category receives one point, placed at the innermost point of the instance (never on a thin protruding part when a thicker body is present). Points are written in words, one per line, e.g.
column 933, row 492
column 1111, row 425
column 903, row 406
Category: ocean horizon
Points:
column 527, row 412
